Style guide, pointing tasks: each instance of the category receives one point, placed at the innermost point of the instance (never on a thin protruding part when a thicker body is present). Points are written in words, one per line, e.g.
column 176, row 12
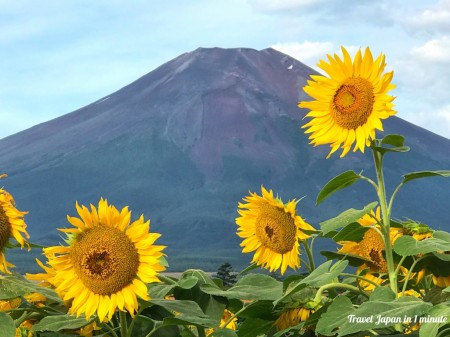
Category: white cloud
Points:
column 435, row 50
column 435, row 19
column 311, row 52
column 307, row 52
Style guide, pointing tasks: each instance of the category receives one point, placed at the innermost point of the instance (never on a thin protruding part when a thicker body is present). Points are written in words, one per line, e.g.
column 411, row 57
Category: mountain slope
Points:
column 184, row 143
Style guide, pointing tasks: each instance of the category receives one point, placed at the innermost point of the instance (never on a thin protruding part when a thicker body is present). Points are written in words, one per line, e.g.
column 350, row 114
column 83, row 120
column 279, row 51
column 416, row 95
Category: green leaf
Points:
column 407, row 246
column 187, row 282
column 253, row 327
column 7, row 326
column 353, row 232
column 382, row 294
column 394, row 142
column 16, row 285
column 439, row 312
column 323, row 274
column 200, row 275
column 339, row 182
column 205, row 322
column 353, row 260
column 186, row 313
column 345, row 218
column 179, row 306
column 382, row 314
column 250, row 287
column 259, row 309
column 335, row 316
column 224, row 333
column 424, row 174
column 61, row 322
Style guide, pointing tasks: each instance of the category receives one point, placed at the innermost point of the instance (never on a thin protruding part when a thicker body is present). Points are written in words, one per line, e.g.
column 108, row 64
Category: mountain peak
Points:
column 185, row 142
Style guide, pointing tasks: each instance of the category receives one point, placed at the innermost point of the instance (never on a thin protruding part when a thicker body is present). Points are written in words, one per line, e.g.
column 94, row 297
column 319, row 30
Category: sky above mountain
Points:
column 59, row 56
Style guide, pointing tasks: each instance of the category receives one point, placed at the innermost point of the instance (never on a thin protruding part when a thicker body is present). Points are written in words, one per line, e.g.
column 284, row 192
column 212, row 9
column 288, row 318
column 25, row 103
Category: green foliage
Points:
column 339, row 182
column 345, row 218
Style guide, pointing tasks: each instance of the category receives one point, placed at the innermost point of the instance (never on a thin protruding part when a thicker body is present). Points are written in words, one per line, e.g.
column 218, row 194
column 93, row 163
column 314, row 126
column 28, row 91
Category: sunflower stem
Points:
column 385, row 215
column 410, row 270
column 123, row 324
column 310, row 255
column 201, row 331
column 359, row 277
column 318, row 297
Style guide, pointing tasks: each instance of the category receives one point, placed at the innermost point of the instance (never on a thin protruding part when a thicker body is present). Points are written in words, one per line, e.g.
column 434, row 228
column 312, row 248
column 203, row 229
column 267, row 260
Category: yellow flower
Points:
column 88, row 330
column 25, row 329
column 441, row 281
column 13, row 303
column 12, row 225
column 36, row 298
column 232, row 325
column 292, row 317
column 371, row 248
column 107, row 262
column 349, row 104
column 271, row 229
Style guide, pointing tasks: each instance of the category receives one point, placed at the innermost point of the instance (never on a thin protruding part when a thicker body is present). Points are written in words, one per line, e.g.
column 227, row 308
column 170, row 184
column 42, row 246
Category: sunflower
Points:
column 12, row 225
column 349, row 104
column 232, row 325
column 272, row 229
column 370, row 248
column 107, row 262
column 292, row 317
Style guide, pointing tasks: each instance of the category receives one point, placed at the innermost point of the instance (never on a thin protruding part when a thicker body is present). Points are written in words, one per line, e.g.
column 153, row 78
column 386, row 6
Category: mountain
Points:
column 184, row 143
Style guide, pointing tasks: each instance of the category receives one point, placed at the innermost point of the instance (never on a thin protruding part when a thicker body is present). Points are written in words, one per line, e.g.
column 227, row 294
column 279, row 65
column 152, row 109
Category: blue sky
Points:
column 57, row 56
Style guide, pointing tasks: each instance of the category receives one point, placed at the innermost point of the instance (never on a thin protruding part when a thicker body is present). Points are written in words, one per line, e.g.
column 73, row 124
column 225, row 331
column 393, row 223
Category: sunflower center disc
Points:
column 5, row 228
column 105, row 259
column 372, row 247
column 352, row 103
column 276, row 229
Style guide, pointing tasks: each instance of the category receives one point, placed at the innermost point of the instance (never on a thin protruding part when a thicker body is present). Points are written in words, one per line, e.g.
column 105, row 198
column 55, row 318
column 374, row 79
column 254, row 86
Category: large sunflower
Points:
column 12, row 225
column 272, row 229
column 107, row 262
column 349, row 104
column 292, row 317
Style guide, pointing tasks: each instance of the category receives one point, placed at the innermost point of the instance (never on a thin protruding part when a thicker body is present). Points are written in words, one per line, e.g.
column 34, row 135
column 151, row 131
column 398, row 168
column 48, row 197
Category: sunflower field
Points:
column 386, row 278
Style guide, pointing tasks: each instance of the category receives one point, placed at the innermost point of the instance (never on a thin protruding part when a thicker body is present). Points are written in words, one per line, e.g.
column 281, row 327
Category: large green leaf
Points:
column 60, row 322
column 382, row 314
column 16, row 285
column 353, row 260
column 352, row 232
column 345, row 218
column 323, row 274
column 250, row 287
column 408, row 246
column 179, row 306
column 395, row 143
column 425, row 174
column 339, row 182
column 440, row 312
column 253, row 327
column 335, row 316
column 7, row 326
column 186, row 313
